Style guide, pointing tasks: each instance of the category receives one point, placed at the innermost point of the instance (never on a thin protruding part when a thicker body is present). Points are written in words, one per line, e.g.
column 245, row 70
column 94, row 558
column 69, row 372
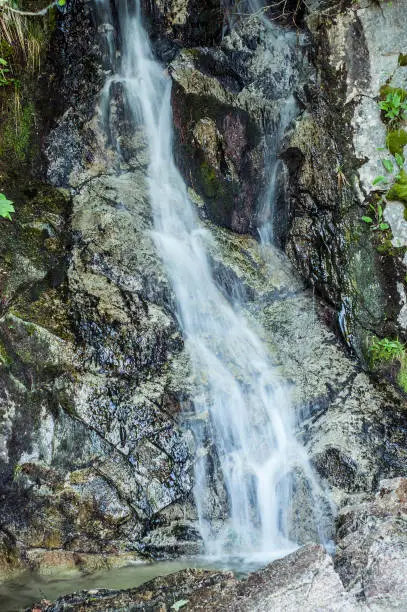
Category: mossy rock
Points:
column 386, row 247
column 396, row 141
column 33, row 256
column 16, row 136
column 5, row 359
column 210, row 182
column 389, row 357
column 399, row 190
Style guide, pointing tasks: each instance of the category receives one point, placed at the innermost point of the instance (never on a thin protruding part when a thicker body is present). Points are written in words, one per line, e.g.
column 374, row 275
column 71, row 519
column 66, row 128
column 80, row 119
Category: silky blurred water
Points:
column 250, row 420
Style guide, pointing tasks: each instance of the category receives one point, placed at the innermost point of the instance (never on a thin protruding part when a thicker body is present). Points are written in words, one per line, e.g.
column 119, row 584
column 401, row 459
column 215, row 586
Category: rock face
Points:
column 228, row 103
column 371, row 556
column 334, row 152
column 354, row 430
column 92, row 363
column 231, row 105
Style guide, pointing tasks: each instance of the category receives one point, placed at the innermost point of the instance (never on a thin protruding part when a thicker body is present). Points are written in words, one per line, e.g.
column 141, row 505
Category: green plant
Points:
column 394, row 107
column 386, row 350
column 376, row 222
column 4, row 70
column 6, row 207
column 342, row 180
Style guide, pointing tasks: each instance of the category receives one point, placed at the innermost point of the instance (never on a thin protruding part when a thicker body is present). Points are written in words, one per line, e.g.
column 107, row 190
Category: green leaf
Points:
column 384, row 226
column 6, row 207
column 399, row 160
column 367, row 219
column 3, row 62
column 388, row 165
column 179, row 604
column 379, row 179
column 396, row 99
column 61, row 2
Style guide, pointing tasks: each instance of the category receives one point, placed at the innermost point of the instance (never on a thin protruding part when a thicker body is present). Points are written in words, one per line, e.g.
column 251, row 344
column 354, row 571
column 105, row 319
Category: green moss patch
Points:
column 403, row 59
column 17, row 130
column 5, row 359
column 396, row 141
column 399, row 190
column 386, row 247
column 209, row 179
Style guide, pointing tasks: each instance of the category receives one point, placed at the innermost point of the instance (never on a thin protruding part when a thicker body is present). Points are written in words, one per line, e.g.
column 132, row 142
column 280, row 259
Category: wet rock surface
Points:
column 334, row 153
column 90, row 439
column 227, row 102
column 355, row 430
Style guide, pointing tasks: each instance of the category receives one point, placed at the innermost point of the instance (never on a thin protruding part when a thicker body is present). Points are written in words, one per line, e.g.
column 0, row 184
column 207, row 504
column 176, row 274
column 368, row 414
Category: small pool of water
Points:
column 28, row 588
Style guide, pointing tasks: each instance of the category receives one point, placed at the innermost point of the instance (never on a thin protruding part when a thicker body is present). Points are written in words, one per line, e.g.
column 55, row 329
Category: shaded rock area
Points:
column 185, row 24
column 227, row 102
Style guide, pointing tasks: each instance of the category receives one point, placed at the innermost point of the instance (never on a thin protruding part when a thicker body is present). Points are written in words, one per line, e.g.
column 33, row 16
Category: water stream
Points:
column 270, row 221
column 250, row 420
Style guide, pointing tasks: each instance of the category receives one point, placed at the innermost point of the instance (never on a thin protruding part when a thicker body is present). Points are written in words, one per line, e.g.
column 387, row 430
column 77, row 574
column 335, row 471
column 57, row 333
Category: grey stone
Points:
column 371, row 556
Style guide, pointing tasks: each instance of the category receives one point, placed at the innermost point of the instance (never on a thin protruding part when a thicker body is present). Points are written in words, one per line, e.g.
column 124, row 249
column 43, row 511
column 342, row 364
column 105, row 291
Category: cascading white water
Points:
column 267, row 217
column 285, row 43
column 250, row 420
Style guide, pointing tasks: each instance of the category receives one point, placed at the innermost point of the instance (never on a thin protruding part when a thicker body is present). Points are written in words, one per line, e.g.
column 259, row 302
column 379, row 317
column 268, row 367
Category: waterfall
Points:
column 247, row 409
column 268, row 217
